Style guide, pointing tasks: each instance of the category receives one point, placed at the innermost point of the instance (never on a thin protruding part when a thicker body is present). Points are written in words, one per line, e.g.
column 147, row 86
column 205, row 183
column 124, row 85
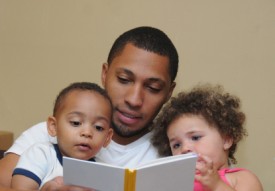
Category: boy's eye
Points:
column 75, row 123
column 99, row 128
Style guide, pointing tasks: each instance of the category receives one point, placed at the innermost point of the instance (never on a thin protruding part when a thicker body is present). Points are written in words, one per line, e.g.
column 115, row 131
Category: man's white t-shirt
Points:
column 136, row 153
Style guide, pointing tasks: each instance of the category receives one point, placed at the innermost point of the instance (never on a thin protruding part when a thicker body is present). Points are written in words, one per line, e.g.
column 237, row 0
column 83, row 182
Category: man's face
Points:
column 138, row 83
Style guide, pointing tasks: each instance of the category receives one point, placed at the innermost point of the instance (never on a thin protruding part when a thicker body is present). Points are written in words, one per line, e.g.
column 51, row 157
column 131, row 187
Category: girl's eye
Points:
column 196, row 138
column 176, row 146
column 75, row 123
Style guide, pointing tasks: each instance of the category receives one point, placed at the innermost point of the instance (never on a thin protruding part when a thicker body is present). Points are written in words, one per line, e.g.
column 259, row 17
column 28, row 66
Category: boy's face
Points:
column 138, row 83
column 192, row 133
column 82, row 124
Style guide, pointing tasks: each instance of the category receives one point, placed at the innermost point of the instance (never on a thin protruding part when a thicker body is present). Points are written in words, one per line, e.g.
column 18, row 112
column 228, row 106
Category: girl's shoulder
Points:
column 240, row 177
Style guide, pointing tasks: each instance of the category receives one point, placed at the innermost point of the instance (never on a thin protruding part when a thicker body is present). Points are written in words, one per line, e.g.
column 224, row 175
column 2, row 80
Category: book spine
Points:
column 130, row 180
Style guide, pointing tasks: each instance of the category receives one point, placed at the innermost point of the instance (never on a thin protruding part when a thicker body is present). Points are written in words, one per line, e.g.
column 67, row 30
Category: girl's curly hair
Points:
column 220, row 109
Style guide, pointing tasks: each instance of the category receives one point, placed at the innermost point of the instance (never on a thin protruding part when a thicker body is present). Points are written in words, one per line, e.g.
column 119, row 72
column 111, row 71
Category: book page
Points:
column 167, row 159
column 86, row 174
column 175, row 176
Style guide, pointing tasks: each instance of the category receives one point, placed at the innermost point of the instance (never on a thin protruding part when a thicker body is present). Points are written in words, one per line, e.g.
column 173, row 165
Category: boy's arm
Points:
column 23, row 182
column 7, row 164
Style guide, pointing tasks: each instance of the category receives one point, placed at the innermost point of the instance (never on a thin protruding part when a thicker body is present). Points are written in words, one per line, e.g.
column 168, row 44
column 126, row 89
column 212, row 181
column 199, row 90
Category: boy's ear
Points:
column 227, row 143
column 51, row 126
column 108, row 138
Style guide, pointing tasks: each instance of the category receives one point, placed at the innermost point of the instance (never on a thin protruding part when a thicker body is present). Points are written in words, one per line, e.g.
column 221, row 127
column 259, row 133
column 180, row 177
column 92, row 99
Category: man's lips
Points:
column 128, row 117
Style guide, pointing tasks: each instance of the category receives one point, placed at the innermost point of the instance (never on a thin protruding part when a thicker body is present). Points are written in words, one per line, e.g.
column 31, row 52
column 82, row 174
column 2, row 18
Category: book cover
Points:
column 169, row 173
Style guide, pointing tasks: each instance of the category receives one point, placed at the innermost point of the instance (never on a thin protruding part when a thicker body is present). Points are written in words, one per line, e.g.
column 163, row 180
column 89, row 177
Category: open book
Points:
column 175, row 173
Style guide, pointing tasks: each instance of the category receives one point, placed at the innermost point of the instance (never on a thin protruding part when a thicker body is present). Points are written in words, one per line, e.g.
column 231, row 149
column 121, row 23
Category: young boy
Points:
column 209, row 122
column 80, row 122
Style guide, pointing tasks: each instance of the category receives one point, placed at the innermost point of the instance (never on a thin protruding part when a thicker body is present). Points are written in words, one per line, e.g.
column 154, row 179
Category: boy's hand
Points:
column 57, row 184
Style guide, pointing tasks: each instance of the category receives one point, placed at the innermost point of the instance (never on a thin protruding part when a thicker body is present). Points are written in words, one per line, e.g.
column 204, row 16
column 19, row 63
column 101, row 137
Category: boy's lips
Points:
column 83, row 147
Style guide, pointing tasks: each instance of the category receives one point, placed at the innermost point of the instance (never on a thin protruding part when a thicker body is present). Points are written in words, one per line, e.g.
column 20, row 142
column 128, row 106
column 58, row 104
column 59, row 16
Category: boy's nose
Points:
column 86, row 133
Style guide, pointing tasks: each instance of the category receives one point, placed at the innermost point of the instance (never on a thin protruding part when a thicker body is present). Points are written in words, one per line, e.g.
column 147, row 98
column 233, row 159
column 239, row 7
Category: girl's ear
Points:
column 227, row 143
column 108, row 138
column 52, row 126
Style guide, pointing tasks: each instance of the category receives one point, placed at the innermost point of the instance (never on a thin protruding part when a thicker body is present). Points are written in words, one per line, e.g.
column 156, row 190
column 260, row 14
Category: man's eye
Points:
column 75, row 123
column 123, row 80
column 153, row 89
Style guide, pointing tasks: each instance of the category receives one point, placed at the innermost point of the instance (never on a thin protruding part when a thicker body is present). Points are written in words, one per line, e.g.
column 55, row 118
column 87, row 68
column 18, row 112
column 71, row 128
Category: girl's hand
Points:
column 206, row 173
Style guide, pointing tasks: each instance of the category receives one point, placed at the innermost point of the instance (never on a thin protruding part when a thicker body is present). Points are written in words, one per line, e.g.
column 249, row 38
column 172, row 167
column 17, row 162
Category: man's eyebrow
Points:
column 156, row 80
column 125, row 70
column 151, row 80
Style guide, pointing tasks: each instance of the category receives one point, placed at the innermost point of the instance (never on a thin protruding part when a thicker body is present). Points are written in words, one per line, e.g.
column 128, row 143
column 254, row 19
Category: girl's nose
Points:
column 186, row 148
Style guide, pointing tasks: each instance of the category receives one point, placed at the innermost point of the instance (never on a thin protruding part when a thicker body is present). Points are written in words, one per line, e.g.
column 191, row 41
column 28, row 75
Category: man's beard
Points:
column 123, row 131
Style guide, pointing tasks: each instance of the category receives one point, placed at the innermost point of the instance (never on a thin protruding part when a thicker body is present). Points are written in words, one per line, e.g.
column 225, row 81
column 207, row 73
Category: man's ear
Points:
column 104, row 73
column 52, row 126
column 108, row 138
column 172, row 87
column 227, row 143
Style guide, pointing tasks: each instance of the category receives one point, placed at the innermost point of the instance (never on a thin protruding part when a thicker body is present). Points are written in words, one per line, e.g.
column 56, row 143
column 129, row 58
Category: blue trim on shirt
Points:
column 29, row 174
column 92, row 159
column 59, row 155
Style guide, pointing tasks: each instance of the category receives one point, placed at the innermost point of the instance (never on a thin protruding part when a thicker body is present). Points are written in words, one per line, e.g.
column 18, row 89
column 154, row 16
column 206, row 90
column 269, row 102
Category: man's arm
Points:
column 7, row 164
column 23, row 142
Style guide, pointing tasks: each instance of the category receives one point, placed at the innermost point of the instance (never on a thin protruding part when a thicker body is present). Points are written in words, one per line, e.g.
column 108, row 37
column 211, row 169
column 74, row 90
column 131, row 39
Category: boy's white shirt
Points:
column 139, row 152
column 40, row 160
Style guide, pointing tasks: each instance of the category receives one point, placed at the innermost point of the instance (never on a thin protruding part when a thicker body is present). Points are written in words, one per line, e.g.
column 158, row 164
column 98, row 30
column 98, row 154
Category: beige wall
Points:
column 45, row 45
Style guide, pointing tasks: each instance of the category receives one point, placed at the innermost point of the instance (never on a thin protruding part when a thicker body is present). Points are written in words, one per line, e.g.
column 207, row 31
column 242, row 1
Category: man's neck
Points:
column 127, row 140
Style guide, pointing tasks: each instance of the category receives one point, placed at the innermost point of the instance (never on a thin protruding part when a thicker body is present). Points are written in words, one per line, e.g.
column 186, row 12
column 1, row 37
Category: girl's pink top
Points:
column 222, row 172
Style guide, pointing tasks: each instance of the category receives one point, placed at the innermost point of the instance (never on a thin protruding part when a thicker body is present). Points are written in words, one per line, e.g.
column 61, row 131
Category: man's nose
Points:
column 134, row 96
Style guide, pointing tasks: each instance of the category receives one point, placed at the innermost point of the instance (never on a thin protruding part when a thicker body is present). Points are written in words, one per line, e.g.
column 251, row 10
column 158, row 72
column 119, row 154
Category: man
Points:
column 139, row 78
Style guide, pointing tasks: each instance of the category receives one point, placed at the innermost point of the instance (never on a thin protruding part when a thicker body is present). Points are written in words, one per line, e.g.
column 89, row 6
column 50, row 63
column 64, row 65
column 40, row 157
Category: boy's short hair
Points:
column 83, row 86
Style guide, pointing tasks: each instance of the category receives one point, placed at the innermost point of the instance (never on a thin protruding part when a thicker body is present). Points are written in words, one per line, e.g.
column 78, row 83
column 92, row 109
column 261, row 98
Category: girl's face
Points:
column 192, row 133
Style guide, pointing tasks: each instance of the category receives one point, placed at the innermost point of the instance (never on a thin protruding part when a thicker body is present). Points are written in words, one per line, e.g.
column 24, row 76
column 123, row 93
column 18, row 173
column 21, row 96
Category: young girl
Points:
column 207, row 121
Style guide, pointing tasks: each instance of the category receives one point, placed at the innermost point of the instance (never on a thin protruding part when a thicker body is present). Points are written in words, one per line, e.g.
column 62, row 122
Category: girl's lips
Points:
column 197, row 172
